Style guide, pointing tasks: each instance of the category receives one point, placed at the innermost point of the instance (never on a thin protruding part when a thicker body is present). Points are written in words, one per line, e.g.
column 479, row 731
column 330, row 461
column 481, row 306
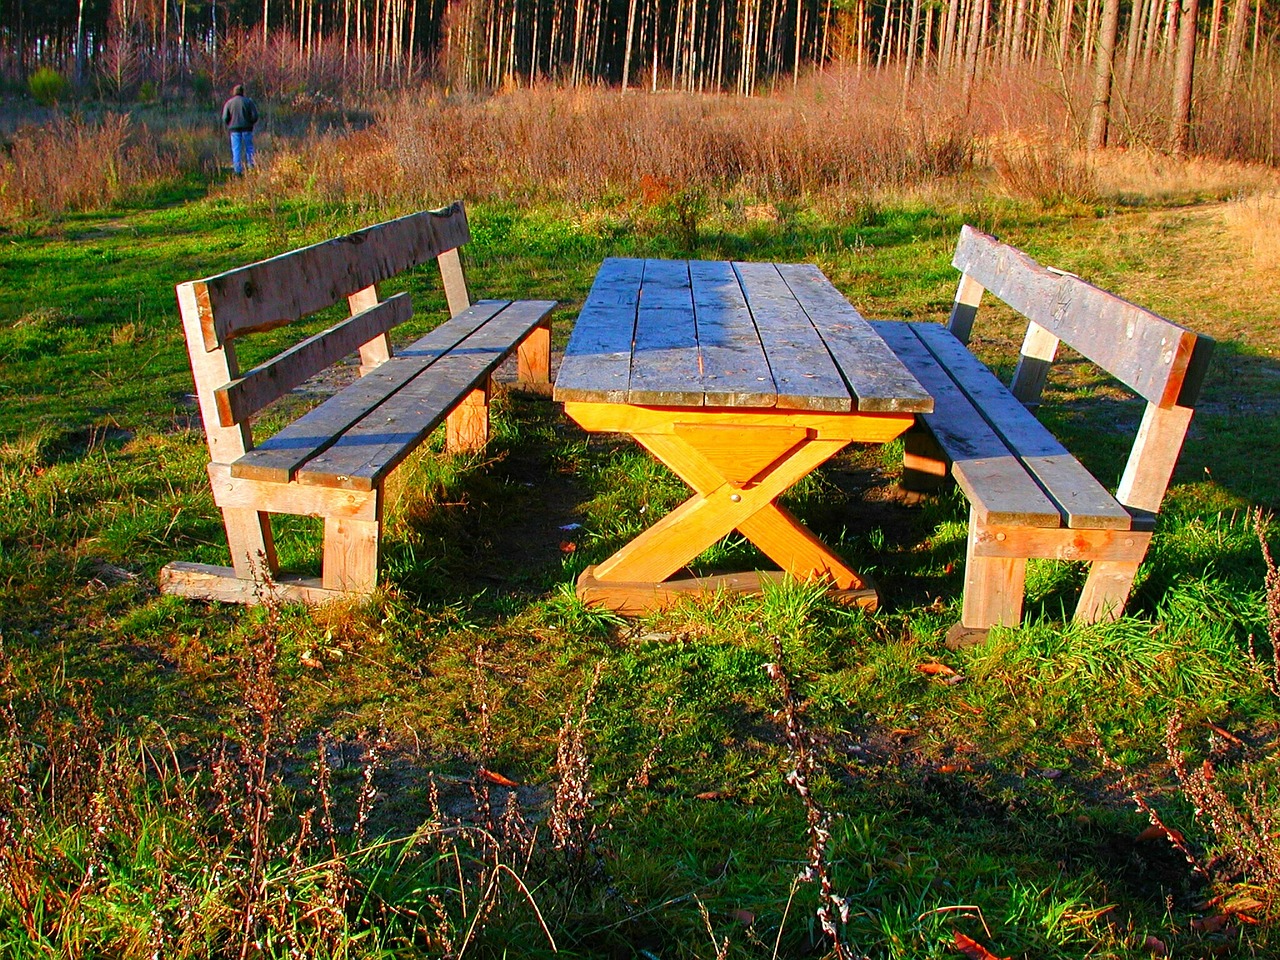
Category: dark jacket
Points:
column 239, row 114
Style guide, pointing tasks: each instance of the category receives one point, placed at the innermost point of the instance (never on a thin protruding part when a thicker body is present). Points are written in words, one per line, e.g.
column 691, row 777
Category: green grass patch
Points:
column 655, row 809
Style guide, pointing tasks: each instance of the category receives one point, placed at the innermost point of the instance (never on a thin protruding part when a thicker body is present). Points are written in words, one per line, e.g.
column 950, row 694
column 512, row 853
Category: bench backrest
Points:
column 274, row 292
column 1160, row 361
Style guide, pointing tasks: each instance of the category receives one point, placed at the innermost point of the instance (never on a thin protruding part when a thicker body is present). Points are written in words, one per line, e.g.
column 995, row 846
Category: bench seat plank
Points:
column 986, row 469
column 597, row 362
column 279, row 458
column 735, row 371
column 877, row 383
column 366, row 452
column 809, row 378
column 1083, row 501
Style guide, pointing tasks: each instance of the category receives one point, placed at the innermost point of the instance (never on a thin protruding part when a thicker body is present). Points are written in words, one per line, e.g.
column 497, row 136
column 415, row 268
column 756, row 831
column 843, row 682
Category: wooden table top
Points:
column 696, row 333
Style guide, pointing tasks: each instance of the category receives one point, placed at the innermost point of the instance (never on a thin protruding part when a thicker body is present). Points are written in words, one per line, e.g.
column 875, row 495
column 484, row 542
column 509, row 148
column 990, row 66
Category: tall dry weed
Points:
column 74, row 164
column 1233, row 799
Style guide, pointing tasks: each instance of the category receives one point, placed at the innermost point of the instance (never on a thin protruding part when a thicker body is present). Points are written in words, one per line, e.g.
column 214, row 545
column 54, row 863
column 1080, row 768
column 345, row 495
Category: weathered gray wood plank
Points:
column 279, row 457
column 1084, row 502
column 988, row 472
column 369, row 450
column 597, row 361
column 664, row 364
column 735, row 372
column 273, row 292
column 878, row 380
column 1156, row 358
column 246, row 395
column 803, row 371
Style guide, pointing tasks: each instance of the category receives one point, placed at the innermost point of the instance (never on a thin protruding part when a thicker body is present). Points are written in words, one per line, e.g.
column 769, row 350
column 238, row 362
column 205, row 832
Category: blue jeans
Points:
column 241, row 149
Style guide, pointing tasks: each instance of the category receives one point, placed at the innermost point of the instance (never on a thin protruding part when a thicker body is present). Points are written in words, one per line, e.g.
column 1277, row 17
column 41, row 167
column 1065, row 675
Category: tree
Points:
column 1183, row 75
column 1103, row 69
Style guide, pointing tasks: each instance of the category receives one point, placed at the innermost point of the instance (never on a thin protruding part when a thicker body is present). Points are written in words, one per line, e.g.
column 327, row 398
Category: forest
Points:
column 690, row 45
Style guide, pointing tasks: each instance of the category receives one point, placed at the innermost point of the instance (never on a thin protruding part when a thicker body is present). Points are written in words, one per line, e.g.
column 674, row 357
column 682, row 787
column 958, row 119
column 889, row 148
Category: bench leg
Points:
column 253, row 549
column 924, row 465
column 533, row 357
column 467, row 427
column 351, row 553
column 993, row 587
column 1106, row 590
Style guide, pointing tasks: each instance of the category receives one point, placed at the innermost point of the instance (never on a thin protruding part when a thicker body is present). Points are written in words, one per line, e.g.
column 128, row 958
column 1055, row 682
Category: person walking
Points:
column 239, row 114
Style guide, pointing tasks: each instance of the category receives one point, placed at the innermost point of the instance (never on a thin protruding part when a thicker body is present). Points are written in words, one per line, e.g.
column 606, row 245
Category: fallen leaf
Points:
column 935, row 669
column 308, row 659
column 1211, row 924
column 710, row 795
column 903, row 732
column 972, row 949
column 744, row 917
column 497, row 778
column 1158, row 833
column 568, row 546
column 1156, row 946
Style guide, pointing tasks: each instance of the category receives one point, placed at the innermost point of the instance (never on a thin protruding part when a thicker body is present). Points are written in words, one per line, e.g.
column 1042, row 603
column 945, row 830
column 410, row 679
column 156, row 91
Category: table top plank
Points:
column 735, row 371
column 880, row 383
column 665, row 368
column 728, row 335
column 805, row 375
column 597, row 361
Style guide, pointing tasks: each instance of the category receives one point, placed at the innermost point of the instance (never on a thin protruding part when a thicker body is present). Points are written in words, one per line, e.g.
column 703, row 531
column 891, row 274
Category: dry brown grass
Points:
column 592, row 145
column 1152, row 176
column 1255, row 222
column 73, row 164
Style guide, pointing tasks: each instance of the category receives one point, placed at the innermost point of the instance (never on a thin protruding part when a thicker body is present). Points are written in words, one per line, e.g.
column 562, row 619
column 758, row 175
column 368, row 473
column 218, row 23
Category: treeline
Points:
column 696, row 45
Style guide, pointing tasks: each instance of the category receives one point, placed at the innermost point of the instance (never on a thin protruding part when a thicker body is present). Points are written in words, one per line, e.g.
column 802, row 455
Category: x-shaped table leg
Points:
column 738, row 462
column 719, row 506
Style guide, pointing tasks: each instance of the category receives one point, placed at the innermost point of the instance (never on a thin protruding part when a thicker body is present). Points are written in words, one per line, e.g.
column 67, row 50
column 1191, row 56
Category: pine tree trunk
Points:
column 1100, row 109
column 1235, row 42
column 949, row 35
column 911, row 47
column 1136, row 16
column 1184, row 76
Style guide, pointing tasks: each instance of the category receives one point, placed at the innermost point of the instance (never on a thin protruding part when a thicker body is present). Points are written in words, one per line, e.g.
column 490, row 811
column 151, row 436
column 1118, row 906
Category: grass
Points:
column 473, row 762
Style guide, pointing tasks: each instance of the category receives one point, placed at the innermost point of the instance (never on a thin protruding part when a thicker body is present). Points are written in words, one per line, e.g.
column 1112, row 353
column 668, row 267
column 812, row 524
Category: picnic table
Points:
column 742, row 378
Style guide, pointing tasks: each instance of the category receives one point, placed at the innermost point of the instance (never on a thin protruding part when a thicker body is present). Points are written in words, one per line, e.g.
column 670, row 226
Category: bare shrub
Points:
column 1047, row 172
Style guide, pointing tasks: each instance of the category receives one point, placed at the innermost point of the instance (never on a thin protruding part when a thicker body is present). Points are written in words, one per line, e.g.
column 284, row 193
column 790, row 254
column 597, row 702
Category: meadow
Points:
column 474, row 763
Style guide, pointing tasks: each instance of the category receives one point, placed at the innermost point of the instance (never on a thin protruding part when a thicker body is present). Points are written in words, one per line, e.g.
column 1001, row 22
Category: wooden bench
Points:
column 333, row 461
column 1028, row 496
